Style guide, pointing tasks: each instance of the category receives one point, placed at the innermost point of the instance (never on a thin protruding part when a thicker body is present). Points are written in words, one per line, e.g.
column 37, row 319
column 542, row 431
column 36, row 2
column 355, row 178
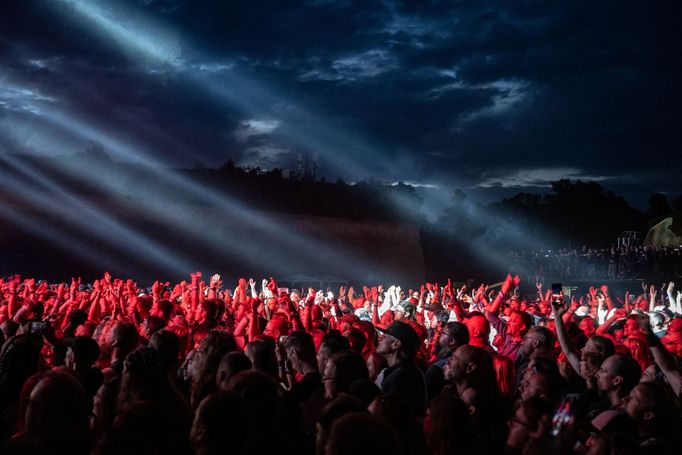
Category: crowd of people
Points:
column 112, row 367
column 615, row 263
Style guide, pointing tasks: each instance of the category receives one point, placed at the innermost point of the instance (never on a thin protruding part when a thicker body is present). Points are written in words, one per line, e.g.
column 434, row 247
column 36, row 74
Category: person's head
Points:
column 453, row 335
column 123, row 338
column 262, row 354
column 639, row 350
column 222, row 424
column 531, row 420
column 357, row 339
column 152, row 324
column 165, row 309
column 208, row 310
column 472, row 365
column 618, row 373
column 331, row 344
column 631, row 326
column 588, row 325
column 650, row 406
column 448, row 426
column 590, row 363
column 19, row 359
column 538, row 340
column 398, row 339
column 335, row 409
column 56, row 413
column 81, row 352
column 505, row 373
column 261, row 393
column 479, row 327
column 600, row 345
column 300, row 350
column 276, row 327
column 231, row 364
column 362, row 434
column 518, row 324
column 341, row 370
column 167, row 343
column 205, row 362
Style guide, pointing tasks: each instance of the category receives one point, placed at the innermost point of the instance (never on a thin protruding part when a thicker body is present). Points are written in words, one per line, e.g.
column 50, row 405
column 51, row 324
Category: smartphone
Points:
column 565, row 413
column 37, row 327
column 557, row 292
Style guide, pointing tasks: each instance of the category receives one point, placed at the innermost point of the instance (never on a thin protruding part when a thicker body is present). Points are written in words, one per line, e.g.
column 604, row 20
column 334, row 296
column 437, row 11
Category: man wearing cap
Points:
column 399, row 344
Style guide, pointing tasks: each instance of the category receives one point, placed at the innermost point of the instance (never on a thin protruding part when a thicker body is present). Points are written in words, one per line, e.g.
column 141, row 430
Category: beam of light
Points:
column 137, row 33
column 73, row 246
column 344, row 150
column 494, row 237
column 270, row 230
column 95, row 221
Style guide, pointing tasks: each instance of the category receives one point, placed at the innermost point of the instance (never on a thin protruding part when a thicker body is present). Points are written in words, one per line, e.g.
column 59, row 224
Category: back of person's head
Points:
column 152, row 423
column 603, row 345
column 167, row 344
column 165, row 309
column 210, row 307
column 153, row 324
column 301, row 342
column 331, row 344
column 56, row 413
column 483, row 375
column 231, row 364
column 505, row 373
column 206, row 360
column 448, row 426
column 338, row 407
column 335, row 342
column 458, row 332
column 222, row 424
column 362, row 434
column 349, row 366
column 396, row 411
column 124, row 337
column 261, row 393
column 262, row 354
column 478, row 326
column 639, row 350
column 144, row 378
column 357, row 339
column 19, row 359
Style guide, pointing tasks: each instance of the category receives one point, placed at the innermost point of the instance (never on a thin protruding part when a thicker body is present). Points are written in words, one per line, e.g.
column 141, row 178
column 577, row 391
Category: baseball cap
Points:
column 403, row 333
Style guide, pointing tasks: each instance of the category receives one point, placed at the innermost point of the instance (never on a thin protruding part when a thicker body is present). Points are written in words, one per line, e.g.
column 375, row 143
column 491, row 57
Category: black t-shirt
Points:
column 306, row 386
column 406, row 380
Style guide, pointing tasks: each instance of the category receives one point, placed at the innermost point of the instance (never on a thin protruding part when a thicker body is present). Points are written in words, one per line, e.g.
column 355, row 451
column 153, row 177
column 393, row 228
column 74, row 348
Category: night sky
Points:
column 490, row 97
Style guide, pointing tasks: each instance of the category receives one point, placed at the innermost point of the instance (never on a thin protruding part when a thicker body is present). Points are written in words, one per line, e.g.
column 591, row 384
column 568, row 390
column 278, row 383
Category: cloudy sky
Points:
column 490, row 97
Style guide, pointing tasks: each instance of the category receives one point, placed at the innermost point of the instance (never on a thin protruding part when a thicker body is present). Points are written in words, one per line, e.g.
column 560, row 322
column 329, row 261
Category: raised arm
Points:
column 560, row 308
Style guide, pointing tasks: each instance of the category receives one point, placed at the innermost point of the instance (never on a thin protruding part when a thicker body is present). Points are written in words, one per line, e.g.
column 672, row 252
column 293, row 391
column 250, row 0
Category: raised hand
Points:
column 216, row 282
column 559, row 307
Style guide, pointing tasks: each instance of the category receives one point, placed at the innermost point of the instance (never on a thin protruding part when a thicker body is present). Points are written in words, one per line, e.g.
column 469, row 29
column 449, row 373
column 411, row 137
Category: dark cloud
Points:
column 447, row 93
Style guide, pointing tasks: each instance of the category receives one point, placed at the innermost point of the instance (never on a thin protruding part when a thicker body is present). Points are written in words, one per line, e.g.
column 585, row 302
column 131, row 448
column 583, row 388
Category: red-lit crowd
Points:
column 113, row 368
